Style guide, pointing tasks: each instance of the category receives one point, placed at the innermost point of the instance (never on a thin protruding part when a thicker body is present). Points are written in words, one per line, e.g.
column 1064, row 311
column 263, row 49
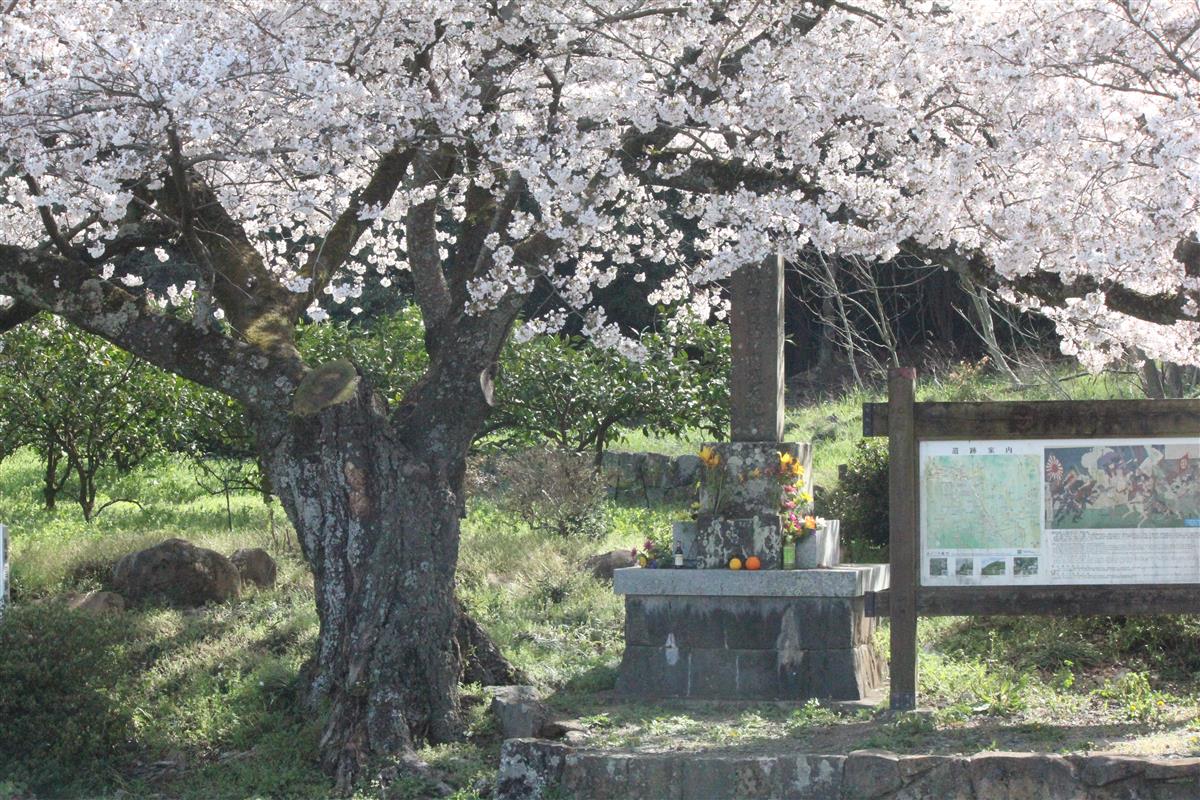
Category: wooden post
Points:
column 903, row 534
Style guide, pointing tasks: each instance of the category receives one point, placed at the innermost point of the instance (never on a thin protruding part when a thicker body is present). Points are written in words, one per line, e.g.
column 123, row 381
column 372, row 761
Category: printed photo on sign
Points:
column 1025, row 567
column 994, row 568
column 1127, row 486
column 938, row 567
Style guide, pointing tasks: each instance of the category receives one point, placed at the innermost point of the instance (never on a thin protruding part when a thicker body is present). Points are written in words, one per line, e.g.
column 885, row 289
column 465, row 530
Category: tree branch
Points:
column 257, row 306
column 69, row 289
column 1054, row 290
column 15, row 314
column 429, row 280
column 333, row 251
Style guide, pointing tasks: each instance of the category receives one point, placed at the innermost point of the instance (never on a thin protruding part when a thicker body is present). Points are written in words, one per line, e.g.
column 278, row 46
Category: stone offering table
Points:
column 766, row 635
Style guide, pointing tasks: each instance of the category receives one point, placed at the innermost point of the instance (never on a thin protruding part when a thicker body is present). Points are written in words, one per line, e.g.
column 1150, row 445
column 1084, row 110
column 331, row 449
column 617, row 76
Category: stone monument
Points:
column 771, row 634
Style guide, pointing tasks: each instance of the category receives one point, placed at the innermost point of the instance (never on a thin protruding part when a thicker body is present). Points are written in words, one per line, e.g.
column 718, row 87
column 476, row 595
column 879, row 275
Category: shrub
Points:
column 60, row 671
column 555, row 491
column 860, row 499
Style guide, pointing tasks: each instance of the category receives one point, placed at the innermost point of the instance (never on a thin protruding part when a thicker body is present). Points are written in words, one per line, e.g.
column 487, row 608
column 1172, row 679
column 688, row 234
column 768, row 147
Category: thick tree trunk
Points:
column 379, row 526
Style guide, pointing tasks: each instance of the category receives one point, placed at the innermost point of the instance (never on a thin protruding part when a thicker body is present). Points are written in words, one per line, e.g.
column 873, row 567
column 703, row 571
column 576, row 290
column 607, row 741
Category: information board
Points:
column 1062, row 511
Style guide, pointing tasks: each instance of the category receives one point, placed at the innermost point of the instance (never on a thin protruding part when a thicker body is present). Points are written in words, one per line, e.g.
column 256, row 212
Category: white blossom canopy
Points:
column 1050, row 146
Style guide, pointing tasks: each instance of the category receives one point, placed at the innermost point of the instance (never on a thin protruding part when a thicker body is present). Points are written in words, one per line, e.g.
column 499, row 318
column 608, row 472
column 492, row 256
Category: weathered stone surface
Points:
column 596, row 775
column 602, row 565
column 98, row 602
column 716, row 674
column 256, row 566
column 935, row 778
column 1019, row 776
column 1172, row 769
column 862, row 775
column 530, row 769
column 654, row 778
column 650, row 477
column 1102, row 769
column 845, row 580
column 812, row 777
column 756, row 337
column 741, row 485
column 687, row 470
column 868, row 774
column 720, row 538
column 519, row 711
column 178, row 573
column 786, row 648
column 747, row 623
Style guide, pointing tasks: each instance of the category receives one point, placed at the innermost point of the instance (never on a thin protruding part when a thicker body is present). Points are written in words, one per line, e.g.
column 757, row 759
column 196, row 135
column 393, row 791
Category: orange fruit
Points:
column 753, row 563
column 735, row 563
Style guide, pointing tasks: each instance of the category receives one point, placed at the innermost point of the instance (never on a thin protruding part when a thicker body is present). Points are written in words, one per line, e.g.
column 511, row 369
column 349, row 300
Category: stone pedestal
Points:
column 724, row 635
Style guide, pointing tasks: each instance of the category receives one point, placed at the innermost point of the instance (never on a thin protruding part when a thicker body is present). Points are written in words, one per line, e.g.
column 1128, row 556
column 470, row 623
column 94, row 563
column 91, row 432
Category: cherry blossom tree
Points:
column 281, row 155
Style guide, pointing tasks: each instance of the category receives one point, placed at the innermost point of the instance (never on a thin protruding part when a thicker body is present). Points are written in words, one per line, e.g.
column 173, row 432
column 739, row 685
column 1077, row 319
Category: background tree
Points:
column 85, row 406
column 577, row 396
column 485, row 149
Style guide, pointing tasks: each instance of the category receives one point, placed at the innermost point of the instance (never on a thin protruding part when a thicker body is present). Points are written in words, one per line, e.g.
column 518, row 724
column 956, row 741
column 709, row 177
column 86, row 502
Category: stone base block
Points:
column 748, row 648
column 719, row 539
column 669, row 672
column 747, row 623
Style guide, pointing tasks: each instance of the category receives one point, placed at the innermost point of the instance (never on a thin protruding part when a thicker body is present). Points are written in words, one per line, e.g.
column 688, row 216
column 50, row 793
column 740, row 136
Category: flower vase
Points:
column 808, row 551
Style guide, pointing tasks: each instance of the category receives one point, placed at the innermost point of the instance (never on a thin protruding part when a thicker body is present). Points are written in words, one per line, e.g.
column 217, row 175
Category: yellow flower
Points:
column 709, row 457
column 805, row 497
column 810, row 522
column 786, row 460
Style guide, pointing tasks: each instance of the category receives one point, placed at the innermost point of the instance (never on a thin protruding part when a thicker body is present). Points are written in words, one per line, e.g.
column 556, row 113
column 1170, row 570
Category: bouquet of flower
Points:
column 653, row 554
column 795, row 504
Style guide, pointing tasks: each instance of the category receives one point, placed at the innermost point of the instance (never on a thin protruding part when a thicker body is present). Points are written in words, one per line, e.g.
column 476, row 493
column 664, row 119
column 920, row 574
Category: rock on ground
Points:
column 178, row 573
column 601, row 566
column 98, row 603
column 255, row 566
column 520, row 711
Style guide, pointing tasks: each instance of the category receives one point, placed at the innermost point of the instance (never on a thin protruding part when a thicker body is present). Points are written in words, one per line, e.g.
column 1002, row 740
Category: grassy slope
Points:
column 202, row 705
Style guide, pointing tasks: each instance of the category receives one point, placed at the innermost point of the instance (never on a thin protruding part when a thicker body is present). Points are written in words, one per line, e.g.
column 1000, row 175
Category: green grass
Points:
column 202, row 704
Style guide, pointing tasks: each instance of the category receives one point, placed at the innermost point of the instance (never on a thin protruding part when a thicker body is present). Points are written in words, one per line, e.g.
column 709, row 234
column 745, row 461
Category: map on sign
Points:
column 1072, row 511
column 982, row 501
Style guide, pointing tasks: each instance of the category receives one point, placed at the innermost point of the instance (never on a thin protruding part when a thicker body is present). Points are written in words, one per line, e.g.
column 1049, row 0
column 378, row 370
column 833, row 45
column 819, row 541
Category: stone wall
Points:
column 651, row 477
column 532, row 769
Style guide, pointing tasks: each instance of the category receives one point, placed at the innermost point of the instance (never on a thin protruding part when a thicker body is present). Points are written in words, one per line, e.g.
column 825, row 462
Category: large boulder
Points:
column 256, row 566
column 178, row 573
